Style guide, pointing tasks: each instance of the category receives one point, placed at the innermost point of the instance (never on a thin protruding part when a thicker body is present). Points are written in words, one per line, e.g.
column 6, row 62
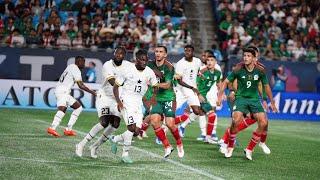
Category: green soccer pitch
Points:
column 27, row 152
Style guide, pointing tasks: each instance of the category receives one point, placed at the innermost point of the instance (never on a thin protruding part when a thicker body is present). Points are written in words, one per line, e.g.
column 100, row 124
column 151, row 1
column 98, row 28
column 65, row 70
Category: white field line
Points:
column 176, row 163
column 87, row 164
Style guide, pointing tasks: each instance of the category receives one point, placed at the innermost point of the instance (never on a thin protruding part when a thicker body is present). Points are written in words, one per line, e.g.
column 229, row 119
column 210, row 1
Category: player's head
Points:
column 188, row 52
column 206, row 54
column 249, row 56
column 119, row 54
column 80, row 62
column 160, row 53
column 256, row 50
column 141, row 59
column 211, row 61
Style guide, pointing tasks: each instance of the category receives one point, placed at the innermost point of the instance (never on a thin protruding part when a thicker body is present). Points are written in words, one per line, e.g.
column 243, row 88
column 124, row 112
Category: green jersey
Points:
column 149, row 93
column 168, row 73
column 248, row 82
column 206, row 79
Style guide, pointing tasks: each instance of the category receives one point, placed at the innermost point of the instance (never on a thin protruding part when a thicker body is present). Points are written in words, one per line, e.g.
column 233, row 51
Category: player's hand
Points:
column 201, row 98
column 120, row 106
column 273, row 107
column 265, row 105
column 94, row 93
column 232, row 96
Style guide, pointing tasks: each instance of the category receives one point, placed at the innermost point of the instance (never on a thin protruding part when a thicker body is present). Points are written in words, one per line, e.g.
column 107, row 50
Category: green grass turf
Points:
column 27, row 152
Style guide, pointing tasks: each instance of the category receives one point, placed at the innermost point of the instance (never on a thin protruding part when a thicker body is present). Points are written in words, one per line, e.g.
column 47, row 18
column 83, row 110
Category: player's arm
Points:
column 267, row 88
column 263, row 96
column 82, row 86
column 117, row 97
column 230, row 79
column 182, row 83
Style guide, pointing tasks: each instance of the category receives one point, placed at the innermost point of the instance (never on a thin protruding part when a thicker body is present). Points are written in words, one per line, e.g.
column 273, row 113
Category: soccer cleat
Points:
column 229, row 152
column 223, row 148
column 79, row 149
column 180, row 151
column 93, row 151
column 69, row 132
column 53, row 132
column 248, row 154
column 214, row 137
column 264, row 148
column 167, row 152
column 201, row 138
column 158, row 141
column 144, row 134
column 114, row 147
column 181, row 131
column 210, row 140
column 126, row 159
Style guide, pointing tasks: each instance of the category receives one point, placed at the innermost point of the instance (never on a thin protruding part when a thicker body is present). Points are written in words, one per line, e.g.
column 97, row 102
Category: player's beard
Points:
column 118, row 63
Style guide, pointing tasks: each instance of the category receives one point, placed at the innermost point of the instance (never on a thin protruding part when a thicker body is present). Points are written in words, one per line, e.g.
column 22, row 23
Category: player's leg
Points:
column 62, row 107
column 77, row 109
column 211, row 122
column 212, row 97
column 156, row 123
column 260, row 116
column 169, row 109
column 114, row 123
column 263, row 139
column 56, row 121
column 104, row 122
column 236, row 118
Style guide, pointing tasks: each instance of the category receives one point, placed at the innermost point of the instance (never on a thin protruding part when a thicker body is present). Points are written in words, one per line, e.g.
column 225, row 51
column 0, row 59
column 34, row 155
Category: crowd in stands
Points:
column 283, row 30
column 94, row 24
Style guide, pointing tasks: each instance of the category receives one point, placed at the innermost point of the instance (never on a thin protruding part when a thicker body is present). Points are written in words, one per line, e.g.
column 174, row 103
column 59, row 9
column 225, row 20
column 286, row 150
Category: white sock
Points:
column 103, row 138
column 57, row 119
column 92, row 133
column 193, row 117
column 185, row 123
column 74, row 117
column 118, row 138
column 203, row 125
column 127, row 139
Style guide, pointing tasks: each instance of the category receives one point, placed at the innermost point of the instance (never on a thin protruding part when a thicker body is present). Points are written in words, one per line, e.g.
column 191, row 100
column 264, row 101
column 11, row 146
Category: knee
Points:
column 196, row 111
column 78, row 110
column 104, row 121
column 116, row 122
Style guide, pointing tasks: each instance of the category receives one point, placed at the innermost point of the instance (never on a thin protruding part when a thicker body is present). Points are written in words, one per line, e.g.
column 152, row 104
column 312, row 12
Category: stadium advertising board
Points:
column 47, row 65
column 40, row 95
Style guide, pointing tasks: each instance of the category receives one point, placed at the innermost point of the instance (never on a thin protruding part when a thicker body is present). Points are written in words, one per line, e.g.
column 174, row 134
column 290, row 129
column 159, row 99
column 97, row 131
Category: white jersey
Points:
column 110, row 70
column 135, row 83
column 188, row 70
column 68, row 78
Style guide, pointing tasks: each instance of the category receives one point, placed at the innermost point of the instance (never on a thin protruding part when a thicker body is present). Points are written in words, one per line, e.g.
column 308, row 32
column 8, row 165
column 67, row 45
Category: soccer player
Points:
column 207, row 77
column 186, row 72
column 70, row 76
column 248, row 120
column 106, row 105
column 135, row 82
column 247, row 100
column 165, row 102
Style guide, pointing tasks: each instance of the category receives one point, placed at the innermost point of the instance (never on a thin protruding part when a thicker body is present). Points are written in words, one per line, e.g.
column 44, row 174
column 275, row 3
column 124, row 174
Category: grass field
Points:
column 27, row 152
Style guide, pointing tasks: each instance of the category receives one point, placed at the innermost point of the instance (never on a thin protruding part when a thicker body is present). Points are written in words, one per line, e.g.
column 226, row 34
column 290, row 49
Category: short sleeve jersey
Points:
column 135, row 83
column 248, row 82
column 110, row 70
column 168, row 71
column 206, row 79
column 68, row 78
column 188, row 70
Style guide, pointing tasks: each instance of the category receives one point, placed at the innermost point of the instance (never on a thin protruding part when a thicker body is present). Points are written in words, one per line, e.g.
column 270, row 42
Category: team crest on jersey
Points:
column 215, row 78
column 250, row 77
column 256, row 77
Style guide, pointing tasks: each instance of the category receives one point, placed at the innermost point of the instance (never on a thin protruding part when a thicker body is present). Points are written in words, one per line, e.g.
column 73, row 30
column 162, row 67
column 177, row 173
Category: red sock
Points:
column 264, row 136
column 232, row 138
column 226, row 136
column 176, row 136
column 182, row 118
column 254, row 140
column 162, row 136
column 210, row 125
column 144, row 126
column 245, row 123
